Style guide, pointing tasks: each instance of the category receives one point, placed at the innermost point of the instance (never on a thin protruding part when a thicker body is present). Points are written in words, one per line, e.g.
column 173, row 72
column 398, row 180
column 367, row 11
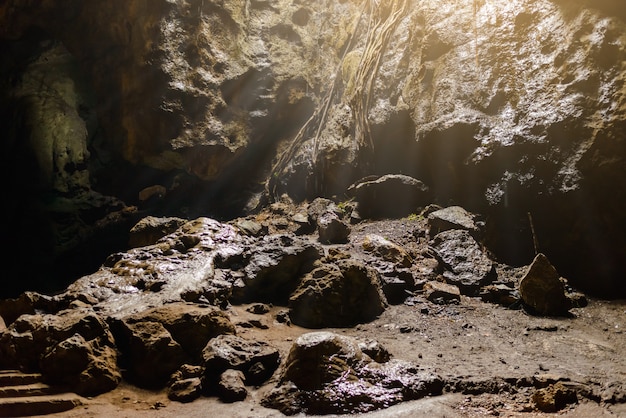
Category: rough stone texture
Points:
column 150, row 354
column 541, row 288
column 338, row 295
column 318, row 358
column 186, row 390
column 326, row 373
column 465, row 264
column 150, row 229
column 256, row 359
column 74, row 348
column 190, row 325
column 506, row 108
column 179, row 267
column 387, row 250
column 453, row 217
column 441, row 293
column 272, row 267
column 185, row 385
column 554, row 398
column 331, row 229
column 157, row 342
column 231, row 387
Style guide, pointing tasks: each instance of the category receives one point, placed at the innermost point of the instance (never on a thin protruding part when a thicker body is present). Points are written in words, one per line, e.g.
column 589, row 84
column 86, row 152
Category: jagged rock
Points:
column 453, row 217
column 392, row 196
column 542, row 289
column 256, row 359
column 337, row 295
column 393, row 263
column 319, row 358
column 387, row 250
column 554, row 398
column 319, row 206
column 191, row 326
column 272, row 267
column 150, row 229
column 231, row 386
column 500, row 293
column 250, row 227
column 88, row 367
column 185, row 384
column 156, row 342
column 149, row 353
column 442, row 293
column 74, row 347
column 465, row 264
column 179, row 267
column 326, row 373
column 258, row 308
column 26, row 303
column 331, row 229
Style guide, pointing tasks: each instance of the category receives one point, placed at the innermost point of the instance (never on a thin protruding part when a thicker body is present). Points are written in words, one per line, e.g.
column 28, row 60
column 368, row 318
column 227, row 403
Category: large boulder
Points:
column 543, row 289
column 157, row 342
column 464, row 263
column 526, row 132
column 73, row 348
column 271, row 267
column 327, row 373
column 337, row 295
column 390, row 196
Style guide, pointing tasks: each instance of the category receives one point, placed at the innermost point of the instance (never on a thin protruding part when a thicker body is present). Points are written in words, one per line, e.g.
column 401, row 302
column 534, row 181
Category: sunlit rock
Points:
column 441, row 293
column 463, row 261
column 257, row 360
column 327, row 373
column 453, row 217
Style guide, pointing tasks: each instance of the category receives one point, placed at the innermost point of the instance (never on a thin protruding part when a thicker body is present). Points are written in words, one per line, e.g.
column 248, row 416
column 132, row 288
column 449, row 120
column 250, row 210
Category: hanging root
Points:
column 532, row 230
column 383, row 20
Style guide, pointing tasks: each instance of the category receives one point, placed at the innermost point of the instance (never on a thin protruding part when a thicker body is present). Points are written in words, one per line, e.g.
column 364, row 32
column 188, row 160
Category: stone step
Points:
column 33, row 389
column 38, row 405
column 17, row 378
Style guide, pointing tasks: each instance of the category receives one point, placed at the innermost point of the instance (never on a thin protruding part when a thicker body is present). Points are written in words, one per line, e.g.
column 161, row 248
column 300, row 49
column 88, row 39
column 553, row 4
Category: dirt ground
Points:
column 483, row 346
column 474, row 341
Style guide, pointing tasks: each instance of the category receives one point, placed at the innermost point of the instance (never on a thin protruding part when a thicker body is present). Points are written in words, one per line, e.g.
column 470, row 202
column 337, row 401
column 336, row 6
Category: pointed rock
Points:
column 541, row 288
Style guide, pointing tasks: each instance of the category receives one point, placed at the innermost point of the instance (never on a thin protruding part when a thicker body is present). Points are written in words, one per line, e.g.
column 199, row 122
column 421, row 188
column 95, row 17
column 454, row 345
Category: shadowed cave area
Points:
column 387, row 208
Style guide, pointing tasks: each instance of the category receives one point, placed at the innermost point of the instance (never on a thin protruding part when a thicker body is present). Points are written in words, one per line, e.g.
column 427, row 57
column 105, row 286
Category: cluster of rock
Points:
column 157, row 314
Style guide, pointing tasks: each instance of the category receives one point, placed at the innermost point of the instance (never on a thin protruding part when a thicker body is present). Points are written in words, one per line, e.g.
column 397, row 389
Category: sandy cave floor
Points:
column 476, row 340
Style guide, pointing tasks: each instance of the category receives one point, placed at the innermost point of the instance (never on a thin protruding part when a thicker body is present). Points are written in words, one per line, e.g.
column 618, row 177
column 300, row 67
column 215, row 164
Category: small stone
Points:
column 554, row 398
column 231, row 387
column 442, row 293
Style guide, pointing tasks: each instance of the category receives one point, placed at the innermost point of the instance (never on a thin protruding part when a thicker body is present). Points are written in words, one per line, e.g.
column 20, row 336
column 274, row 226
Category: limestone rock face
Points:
column 506, row 108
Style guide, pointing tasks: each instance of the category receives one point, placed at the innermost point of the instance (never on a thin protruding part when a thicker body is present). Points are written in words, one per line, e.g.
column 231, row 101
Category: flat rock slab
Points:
column 39, row 405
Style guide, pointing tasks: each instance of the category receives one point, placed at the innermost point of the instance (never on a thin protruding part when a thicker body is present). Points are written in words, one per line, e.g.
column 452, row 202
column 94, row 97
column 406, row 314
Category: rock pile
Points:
column 158, row 315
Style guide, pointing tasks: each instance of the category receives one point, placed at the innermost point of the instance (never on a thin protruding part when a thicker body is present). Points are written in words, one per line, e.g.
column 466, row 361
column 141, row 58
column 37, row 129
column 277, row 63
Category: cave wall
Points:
column 513, row 109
